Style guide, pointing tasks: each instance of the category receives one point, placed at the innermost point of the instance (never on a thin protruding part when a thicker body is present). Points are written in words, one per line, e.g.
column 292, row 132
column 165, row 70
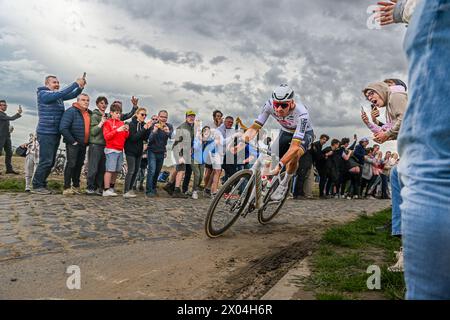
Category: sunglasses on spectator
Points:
column 282, row 105
column 143, row 114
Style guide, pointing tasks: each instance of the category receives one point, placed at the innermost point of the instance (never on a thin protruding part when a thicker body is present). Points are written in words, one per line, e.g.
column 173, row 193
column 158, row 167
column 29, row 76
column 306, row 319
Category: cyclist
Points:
column 296, row 134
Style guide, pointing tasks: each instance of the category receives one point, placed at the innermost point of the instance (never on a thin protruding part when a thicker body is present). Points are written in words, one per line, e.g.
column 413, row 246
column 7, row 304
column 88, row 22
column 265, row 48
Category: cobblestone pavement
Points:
column 35, row 225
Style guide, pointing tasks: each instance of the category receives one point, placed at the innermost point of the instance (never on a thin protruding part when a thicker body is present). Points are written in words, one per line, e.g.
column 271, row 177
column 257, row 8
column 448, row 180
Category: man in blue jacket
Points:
column 50, row 101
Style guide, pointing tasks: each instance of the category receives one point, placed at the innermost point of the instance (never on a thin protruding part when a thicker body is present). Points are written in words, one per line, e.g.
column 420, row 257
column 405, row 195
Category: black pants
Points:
column 302, row 174
column 344, row 177
column 134, row 164
column 5, row 144
column 356, row 183
column 74, row 163
column 365, row 184
column 187, row 178
column 96, row 167
column 322, row 180
column 332, row 181
column 229, row 169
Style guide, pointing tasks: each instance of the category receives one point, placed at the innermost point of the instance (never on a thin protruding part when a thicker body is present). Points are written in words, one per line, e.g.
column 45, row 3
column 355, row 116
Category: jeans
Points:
column 396, row 187
column 155, row 163
column 48, row 148
column 96, row 166
column 134, row 164
column 424, row 147
column 5, row 144
column 384, row 186
column 74, row 164
column 141, row 175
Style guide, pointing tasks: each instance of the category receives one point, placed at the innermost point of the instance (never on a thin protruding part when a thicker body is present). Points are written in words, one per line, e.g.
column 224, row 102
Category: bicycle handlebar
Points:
column 258, row 148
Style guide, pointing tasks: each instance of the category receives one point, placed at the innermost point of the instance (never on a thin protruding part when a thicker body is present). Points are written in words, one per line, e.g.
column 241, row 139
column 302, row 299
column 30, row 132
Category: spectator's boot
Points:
column 169, row 188
column 178, row 194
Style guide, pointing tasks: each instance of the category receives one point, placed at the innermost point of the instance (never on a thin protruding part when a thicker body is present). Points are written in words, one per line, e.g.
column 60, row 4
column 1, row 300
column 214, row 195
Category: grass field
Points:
column 339, row 265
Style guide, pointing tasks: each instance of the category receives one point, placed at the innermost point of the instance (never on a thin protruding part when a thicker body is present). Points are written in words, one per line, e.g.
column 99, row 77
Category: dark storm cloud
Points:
column 217, row 60
column 190, row 58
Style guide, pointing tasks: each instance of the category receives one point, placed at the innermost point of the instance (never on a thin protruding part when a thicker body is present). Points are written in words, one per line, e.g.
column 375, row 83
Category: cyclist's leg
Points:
column 280, row 147
column 292, row 166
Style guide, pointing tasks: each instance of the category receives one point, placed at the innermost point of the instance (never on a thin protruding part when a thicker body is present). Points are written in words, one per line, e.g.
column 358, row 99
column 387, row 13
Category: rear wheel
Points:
column 271, row 208
column 228, row 204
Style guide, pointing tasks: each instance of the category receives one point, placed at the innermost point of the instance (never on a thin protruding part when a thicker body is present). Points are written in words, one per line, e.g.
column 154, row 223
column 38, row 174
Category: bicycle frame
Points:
column 256, row 185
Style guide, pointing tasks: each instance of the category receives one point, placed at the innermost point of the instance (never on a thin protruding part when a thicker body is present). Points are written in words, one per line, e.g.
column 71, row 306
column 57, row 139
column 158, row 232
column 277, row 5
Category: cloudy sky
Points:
column 200, row 54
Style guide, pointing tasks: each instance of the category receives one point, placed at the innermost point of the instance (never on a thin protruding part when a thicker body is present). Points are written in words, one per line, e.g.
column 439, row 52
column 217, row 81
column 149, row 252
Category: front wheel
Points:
column 228, row 204
column 271, row 208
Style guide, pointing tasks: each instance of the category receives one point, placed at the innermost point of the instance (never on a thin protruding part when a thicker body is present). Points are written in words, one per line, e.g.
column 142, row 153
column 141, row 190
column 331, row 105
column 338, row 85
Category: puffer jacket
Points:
column 51, row 107
column 72, row 126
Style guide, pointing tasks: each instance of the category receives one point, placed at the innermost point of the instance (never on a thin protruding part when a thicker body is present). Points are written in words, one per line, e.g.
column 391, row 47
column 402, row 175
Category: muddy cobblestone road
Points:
column 153, row 249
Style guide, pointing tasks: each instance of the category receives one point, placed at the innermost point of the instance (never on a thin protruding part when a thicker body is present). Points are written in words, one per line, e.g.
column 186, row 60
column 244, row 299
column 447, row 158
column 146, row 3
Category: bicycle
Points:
column 242, row 194
column 60, row 161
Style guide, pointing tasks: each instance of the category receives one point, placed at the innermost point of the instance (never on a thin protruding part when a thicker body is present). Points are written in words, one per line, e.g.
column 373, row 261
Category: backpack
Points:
column 163, row 176
column 21, row 151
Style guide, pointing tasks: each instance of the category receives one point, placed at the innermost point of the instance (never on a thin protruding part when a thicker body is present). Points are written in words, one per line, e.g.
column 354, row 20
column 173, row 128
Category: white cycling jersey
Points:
column 297, row 122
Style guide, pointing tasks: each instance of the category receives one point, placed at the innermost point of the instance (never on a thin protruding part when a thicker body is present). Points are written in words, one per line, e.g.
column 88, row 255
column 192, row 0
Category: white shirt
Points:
column 296, row 122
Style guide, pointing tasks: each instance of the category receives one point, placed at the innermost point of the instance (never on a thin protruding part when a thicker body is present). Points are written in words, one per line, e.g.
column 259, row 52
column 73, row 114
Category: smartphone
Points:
column 362, row 109
column 84, row 75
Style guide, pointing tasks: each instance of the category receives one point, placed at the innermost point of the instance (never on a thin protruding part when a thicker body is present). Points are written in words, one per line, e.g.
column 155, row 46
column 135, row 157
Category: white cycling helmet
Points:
column 283, row 93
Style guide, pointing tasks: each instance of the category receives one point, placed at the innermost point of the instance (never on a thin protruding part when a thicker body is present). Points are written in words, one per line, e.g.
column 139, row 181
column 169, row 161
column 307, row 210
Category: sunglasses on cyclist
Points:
column 282, row 105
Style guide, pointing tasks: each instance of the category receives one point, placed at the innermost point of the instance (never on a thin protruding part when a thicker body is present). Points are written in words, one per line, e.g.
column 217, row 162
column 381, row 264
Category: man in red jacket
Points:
column 116, row 133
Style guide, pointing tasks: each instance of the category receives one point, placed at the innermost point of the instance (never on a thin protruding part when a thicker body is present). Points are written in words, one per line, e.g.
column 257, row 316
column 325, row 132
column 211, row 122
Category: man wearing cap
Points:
column 360, row 150
column 182, row 149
